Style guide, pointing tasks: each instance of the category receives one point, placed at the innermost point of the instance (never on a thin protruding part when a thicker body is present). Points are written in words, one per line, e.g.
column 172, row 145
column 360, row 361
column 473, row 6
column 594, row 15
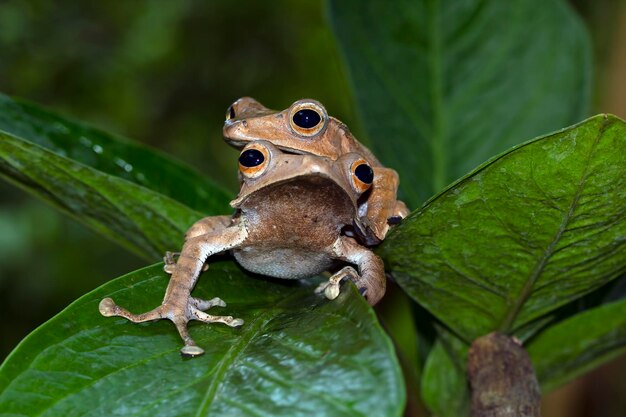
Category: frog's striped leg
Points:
column 201, row 227
column 178, row 305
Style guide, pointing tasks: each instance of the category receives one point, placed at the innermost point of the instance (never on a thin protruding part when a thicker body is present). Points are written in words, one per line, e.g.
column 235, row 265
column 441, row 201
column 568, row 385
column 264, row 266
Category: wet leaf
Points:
column 297, row 354
column 141, row 219
column 450, row 84
column 579, row 344
column 445, row 388
column 525, row 233
column 111, row 154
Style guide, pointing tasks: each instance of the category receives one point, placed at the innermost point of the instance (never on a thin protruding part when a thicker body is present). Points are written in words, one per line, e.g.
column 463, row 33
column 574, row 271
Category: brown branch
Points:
column 502, row 379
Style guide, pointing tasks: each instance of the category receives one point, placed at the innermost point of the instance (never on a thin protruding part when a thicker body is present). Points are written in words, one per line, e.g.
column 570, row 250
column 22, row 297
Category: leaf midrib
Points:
column 229, row 358
column 526, row 291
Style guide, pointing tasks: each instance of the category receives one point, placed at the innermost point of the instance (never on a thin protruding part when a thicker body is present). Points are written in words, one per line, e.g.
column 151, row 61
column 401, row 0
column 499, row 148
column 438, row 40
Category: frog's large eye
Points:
column 230, row 112
column 307, row 118
column 253, row 160
column 362, row 175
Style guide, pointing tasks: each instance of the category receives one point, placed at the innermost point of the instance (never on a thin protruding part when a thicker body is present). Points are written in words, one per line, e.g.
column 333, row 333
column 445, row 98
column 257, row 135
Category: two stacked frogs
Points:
column 312, row 199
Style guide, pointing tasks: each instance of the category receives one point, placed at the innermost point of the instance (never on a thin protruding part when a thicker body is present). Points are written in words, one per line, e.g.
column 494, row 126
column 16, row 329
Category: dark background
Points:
column 163, row 73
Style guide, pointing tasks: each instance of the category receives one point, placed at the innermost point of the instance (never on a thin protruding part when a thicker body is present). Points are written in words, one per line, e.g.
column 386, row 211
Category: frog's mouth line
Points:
column 238, row 143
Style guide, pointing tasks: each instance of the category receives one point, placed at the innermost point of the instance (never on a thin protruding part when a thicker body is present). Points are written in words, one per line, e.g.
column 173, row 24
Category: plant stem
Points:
column 502, row 378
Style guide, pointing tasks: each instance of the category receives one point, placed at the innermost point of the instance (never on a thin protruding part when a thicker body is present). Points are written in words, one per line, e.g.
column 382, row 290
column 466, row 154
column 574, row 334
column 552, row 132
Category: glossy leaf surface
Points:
column 445, row 389
column 146, row 221
column 297, row 354
column 111, row 154
column 523, row 234
column 579, row 344
column 452, row 83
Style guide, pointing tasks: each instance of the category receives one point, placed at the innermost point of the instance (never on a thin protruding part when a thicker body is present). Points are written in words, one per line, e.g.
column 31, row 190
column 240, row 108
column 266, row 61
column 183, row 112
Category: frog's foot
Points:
column 179, row 316
column 169, row 261
column 331, row 287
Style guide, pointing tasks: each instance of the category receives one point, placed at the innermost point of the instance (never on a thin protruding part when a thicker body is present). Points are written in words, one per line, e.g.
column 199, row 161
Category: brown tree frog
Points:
column 291, row 217
column 306, row 128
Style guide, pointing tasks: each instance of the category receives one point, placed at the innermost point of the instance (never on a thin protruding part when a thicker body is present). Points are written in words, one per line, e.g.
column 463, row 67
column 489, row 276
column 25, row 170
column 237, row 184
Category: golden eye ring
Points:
column 362, row 175
column 230, row 112
column 307, row 118
column 253, row 160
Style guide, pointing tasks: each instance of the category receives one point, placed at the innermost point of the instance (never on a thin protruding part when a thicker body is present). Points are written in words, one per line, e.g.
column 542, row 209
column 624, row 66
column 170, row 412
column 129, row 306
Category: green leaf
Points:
column 525, row 233
column 111, row 154
column 445, row 390
column 297, row 354
column 579, row 344
column 141, row 219
column 451, row 84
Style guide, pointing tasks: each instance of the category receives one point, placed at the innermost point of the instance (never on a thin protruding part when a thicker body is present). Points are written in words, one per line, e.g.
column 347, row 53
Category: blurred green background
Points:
column 161, row 72
column 164, row 72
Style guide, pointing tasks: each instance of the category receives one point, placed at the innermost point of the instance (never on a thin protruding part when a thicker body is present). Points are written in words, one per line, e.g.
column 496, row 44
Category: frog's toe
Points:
column 169, row 261
column 203, row 305
column 332, row 291
column 331, row 288
column 191, row 351
column 207, row 318
column 107, row 307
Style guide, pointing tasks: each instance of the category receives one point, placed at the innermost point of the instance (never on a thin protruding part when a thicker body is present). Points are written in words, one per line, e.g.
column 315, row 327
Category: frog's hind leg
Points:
column 201, row 227
column 178, row 305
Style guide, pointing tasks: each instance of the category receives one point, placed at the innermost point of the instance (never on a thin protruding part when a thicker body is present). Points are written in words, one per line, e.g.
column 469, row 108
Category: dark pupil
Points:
column 251, row 158
column 306, row 118
column 231, row 112
column 364, row 173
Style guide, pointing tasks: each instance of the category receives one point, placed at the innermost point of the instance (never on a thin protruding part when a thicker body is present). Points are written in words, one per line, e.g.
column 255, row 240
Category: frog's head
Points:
column 304, row 127
column 263, row 168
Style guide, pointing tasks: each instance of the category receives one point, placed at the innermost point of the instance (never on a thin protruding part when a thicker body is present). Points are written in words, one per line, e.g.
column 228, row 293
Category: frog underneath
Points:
column 306, row 128
column 291, row 217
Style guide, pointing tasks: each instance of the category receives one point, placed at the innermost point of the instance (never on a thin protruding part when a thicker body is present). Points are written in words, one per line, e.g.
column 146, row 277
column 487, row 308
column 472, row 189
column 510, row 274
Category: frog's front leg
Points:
column 370, row 278
column 382, row 207
column 178, row 305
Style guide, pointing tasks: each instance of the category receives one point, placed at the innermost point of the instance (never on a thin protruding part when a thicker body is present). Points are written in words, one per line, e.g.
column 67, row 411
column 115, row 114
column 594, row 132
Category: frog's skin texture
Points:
column 248, row 120
column 292, row 220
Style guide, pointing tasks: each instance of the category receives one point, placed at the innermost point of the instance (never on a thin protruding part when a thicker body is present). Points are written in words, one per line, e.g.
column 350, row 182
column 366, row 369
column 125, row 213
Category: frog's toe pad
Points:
column 331, row 291
column 236, row 323
column 191, row 351
column 107, row 307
